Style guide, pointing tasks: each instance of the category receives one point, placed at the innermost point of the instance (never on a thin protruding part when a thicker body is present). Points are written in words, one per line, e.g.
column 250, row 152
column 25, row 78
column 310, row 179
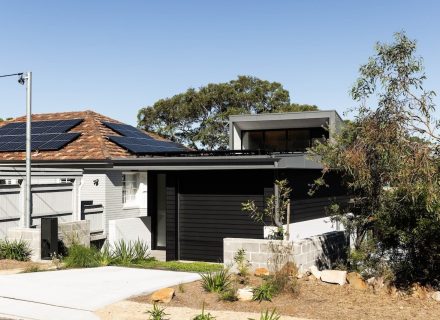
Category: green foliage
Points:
column 199, row 267
column 216, row 281
column 388, row 157
column 266, row 315
column 265, row 292
column 204, row 316
column 229, row 294
column 106, row 256
column 242, row 264
column 80, row 256
column 126, row 253
column 275, row 209
column 15, row 250
column 157, row 313
column 199, row 118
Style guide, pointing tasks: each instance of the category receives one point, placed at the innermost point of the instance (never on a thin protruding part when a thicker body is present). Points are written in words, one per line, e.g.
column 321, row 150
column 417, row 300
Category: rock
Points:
column 376, row 283
column 312, row 278
column 163, row 295
column 245, row 294
column 315, row 272
column 334, row 276
column 356, row 281
column 261, row 272
column 436, row 296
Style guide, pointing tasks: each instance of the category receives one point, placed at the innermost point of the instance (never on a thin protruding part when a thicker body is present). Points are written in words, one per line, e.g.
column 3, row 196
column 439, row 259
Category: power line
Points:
column 10, row 75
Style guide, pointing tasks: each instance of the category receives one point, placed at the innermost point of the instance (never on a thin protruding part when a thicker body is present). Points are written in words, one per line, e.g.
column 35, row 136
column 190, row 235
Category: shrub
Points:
column 157, row 313
column 269, row 316
column 229, row 294
column 242, row 266
column 265, row 291
column 106, row 256
column 126, row 253
column 204, row 316
column 80, row 256
column 216, row 281
column 285, row 280
column 15, row 250
column 141, row 251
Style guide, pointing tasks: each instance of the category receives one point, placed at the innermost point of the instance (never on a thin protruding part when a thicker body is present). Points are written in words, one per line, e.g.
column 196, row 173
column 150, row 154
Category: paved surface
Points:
column 74, row 294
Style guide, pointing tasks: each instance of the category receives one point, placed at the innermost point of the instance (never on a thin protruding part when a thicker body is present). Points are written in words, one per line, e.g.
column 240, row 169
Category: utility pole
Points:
column 27, row 78
column 28, row 206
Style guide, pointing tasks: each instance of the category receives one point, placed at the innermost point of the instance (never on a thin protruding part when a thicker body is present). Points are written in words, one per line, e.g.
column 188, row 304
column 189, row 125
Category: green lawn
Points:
column 179, row 266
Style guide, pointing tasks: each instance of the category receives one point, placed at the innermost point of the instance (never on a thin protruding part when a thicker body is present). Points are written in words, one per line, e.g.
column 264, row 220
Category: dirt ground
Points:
column 316, row 300
column 6, row 264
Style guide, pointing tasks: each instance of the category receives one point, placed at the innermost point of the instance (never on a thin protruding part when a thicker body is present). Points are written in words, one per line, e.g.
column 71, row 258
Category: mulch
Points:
column 316, row 300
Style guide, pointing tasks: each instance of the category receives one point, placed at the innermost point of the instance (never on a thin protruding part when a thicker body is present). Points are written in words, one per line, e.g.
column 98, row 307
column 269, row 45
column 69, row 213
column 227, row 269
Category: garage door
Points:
column 205, row 219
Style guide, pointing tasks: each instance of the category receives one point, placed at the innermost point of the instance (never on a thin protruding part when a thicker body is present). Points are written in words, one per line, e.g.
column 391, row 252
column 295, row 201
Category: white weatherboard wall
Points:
column 130, row 230
column 104, row 187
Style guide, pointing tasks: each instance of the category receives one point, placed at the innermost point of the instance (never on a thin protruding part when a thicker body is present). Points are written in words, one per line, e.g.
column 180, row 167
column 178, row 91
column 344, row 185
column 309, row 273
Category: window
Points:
column 129, row 187
column 253, row 140
column 282, row 140
column 8, row 181
column 66, row 180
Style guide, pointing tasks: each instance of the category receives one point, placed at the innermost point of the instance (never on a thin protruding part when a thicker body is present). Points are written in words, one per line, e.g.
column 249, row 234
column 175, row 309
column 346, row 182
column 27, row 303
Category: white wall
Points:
column 105, row 187
column 130, row 229
column 306, row 229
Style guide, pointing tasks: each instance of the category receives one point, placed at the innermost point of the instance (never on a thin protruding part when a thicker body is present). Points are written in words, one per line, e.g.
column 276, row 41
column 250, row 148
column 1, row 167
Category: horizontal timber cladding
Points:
column 210, row 209
column 203, row 207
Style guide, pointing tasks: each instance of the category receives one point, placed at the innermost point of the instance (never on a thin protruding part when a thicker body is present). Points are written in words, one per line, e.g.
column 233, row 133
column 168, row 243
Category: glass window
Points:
column 130, row 187
column 252, row 140
column 298, row 139
column 275, row 140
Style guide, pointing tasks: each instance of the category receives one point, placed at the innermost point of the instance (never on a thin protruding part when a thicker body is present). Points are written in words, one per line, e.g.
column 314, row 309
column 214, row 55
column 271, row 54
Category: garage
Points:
column 204, row 213
column 204, row 207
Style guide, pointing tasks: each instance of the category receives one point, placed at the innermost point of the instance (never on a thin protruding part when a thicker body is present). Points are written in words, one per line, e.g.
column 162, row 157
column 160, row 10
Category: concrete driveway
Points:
column 75, row 294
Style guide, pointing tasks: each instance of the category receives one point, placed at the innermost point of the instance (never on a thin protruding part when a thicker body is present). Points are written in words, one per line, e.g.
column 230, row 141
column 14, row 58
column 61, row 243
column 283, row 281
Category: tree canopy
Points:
column 199, row 118
column 387, row 156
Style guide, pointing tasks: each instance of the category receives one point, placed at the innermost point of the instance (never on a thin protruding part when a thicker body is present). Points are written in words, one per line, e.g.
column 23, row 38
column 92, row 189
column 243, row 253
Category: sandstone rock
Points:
column 334, row 276
column 436, row 296
column 163, row 295
column 315, row 272
column 356, row 281
column 245, row 294
column 261, row 272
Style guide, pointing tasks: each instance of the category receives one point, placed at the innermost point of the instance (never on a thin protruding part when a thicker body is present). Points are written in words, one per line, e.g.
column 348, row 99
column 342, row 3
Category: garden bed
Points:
column 316, row 300
column 7, row 264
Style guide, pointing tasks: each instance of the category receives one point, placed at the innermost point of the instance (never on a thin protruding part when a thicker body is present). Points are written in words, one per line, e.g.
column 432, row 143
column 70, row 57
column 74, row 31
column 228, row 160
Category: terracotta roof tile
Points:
column 91, row 145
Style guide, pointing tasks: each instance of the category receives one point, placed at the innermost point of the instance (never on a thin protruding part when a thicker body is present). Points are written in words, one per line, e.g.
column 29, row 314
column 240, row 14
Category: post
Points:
column 28, row 205
column 288, row 221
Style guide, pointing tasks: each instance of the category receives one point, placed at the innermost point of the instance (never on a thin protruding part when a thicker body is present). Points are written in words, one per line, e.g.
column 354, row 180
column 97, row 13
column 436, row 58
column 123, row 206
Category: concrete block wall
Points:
column 321, row 250
column 78, row 231
column 31, row 236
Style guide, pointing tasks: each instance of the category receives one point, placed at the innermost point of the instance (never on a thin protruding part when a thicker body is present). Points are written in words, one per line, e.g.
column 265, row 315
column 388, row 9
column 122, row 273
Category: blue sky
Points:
column 117, row 56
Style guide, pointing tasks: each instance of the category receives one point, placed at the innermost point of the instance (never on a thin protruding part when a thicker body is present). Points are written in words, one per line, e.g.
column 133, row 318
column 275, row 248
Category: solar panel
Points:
column 127, row 130
column 46, row 135
column 40, row 127
column 138, row 142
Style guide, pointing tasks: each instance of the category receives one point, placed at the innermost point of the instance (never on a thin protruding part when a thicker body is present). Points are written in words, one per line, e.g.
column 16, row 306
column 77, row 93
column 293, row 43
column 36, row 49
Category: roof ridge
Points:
column 96, row 131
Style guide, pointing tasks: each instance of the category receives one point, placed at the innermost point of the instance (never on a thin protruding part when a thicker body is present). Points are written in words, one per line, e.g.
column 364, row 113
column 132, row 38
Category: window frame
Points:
column 129, row 195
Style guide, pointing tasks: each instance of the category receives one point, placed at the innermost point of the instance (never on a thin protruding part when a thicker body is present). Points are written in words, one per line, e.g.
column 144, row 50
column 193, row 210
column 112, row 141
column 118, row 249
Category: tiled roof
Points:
column 91, row 145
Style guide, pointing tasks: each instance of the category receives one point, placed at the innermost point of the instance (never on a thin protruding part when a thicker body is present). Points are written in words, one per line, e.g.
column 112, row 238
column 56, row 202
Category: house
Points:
column 132, row 184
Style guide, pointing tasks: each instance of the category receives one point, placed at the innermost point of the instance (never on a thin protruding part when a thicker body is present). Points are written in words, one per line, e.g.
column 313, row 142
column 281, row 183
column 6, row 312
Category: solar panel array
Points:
column 46, row 135
column 137, row 142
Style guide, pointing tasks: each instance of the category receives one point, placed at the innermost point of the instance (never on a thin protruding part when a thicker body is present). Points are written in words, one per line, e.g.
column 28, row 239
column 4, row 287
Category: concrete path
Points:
column 75, row 294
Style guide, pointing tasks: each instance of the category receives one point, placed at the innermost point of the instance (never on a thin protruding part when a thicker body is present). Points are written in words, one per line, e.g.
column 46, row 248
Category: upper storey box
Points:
column 282, row 132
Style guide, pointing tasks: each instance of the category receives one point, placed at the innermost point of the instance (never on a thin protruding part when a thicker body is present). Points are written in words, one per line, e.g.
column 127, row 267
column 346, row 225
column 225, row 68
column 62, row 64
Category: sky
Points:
column 115, row 57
